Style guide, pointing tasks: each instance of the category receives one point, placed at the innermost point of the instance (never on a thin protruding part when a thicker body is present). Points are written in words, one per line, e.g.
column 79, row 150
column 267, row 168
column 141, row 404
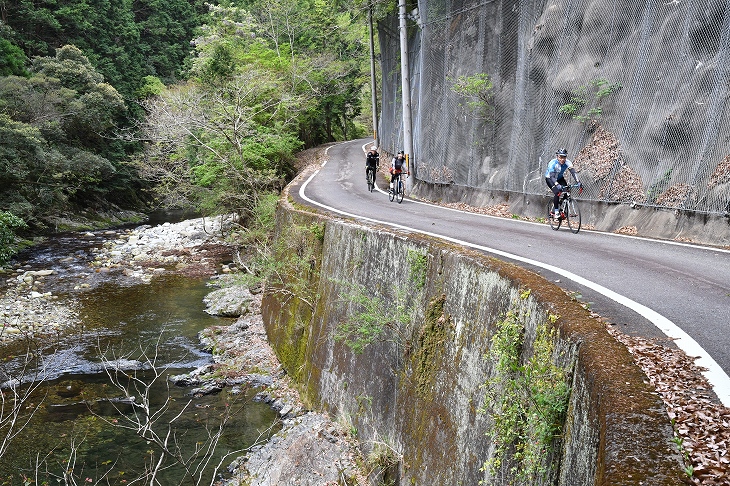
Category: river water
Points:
column 78, row 423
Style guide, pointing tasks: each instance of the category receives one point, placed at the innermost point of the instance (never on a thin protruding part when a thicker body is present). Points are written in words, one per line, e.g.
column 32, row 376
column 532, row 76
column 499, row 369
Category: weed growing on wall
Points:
column 371, row 318
column 585, row 102
column 284, row 265
column 477, row 90
column 658, row 187
column 382, row 463
column 418, row 265
column 526, row 399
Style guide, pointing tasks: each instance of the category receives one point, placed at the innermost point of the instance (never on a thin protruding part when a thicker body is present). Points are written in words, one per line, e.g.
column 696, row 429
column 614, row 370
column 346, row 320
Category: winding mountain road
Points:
column 645, row 287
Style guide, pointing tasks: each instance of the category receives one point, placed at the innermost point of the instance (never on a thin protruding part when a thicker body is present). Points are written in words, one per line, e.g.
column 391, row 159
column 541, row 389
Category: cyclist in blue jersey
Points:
column 555, row 179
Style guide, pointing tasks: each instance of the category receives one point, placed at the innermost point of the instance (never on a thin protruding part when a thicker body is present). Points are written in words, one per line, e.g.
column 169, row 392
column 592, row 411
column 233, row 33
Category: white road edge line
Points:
column 717, row 377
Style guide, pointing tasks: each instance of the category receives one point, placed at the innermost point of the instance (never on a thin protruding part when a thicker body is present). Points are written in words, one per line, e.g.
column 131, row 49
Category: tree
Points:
column 124, row 40
column 9, row 223
column 12, row 59
column 219, row 149
column 326, row 47
column 57, row 128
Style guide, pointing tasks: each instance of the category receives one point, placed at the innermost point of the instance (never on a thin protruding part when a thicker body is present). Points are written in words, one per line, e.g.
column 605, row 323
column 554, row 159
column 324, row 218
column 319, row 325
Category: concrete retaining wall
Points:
column 419, row 386
column 652, row 222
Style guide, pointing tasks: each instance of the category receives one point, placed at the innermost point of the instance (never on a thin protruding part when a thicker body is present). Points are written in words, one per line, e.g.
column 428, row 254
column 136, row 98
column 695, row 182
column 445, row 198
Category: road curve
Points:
column 644, row 287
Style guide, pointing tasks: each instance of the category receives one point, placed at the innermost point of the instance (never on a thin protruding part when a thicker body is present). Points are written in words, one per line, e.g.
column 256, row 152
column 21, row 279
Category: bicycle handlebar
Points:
column 568, row 187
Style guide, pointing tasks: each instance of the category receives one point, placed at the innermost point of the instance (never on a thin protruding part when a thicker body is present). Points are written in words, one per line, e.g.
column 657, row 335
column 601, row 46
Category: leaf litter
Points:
column 701, row 423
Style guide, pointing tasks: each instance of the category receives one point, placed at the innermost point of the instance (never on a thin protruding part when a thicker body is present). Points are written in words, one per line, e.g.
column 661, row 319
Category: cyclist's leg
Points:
column 400, row 189
column 556, row 195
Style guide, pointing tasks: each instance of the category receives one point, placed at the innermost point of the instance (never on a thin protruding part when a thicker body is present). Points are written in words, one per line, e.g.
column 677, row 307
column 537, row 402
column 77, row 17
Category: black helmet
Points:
column 563, row 152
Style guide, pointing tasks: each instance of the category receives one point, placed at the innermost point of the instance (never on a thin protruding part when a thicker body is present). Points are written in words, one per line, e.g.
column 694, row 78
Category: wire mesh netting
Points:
column 636, row 91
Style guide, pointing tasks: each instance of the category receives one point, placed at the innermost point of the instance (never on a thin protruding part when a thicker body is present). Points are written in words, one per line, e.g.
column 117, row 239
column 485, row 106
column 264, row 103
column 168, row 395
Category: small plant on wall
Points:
column 585, row 102
column 371, row 318
column 527, row 398
column 477, row 91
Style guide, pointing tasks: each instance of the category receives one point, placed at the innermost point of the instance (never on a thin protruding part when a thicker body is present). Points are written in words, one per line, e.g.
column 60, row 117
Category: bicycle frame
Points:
column 569, row 210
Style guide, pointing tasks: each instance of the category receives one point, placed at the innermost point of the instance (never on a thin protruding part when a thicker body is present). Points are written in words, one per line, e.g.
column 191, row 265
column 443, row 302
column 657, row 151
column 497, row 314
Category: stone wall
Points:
column 419, row 386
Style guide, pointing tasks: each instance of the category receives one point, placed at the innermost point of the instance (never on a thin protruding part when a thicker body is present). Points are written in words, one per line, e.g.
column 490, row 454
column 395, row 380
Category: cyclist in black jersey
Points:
column 397, row 166
column 372, row 160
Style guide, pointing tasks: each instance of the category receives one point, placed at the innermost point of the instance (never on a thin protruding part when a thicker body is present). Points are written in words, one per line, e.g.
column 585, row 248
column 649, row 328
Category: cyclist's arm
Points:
column 553, row 176
column 575, row 175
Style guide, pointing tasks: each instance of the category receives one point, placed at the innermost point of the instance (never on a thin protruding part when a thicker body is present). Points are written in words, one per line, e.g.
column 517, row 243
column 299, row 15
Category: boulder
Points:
column 232, row 301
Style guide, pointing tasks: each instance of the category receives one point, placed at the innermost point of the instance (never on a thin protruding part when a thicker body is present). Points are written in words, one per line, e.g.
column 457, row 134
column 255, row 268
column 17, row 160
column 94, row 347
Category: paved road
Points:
column 647, row 287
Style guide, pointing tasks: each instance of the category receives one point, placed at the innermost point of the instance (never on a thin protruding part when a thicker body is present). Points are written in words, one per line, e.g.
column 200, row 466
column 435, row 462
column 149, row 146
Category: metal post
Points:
column 373, row 83
column 406, row 88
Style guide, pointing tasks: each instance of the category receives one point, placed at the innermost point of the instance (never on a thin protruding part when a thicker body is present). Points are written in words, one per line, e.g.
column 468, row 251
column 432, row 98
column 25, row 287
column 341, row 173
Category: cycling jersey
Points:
column 372, row 159
column 555, row 169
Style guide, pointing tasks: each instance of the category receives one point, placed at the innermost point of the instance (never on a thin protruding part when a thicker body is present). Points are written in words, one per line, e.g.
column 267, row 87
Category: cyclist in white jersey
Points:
column 555, row 179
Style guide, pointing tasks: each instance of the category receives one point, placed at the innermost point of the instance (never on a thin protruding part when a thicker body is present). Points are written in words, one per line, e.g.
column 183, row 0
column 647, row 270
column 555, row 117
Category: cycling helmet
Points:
column 562, row 151
column 373, row 148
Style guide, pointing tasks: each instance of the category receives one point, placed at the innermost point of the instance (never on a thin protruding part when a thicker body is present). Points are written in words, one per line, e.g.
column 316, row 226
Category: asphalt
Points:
column 647, row 287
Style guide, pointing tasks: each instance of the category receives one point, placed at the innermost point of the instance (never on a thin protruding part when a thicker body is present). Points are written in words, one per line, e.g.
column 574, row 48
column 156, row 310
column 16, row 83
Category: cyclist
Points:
column 396, row 167
column 372, row 160
column 555, row 179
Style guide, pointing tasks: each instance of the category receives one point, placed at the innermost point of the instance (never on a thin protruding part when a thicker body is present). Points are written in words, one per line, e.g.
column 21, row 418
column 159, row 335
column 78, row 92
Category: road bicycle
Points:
column 371, row 178
column 397, row 190
column 569, row 210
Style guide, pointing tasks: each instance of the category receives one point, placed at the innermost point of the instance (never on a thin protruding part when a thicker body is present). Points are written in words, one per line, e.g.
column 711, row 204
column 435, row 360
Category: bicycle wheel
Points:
column 572, row 215
column 554, row 223
column 400, row 191
column 391, row 191
column 371, row 179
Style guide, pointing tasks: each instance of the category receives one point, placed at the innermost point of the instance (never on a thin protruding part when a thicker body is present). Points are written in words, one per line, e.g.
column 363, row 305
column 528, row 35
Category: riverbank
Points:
column 39, row 303
column 310, row 448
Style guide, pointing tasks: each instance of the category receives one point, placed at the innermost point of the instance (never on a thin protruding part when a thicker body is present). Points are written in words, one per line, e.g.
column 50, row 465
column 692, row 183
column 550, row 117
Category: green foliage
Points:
column 9, row 223
column 586, row 95
column 659, row 187
column 289, row 266
column 689, row 469
column 324, row 46
column 125, row 40
column 12, row 59
column 218, row 145
column 151, row 86
column 260, row 87
column 56, row 128
column 371, row 318
column 418, row 265
column 477, row 90
column 527, row 398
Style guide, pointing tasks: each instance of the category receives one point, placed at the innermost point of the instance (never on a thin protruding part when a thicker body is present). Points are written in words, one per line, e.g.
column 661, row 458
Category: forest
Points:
column 141, row 104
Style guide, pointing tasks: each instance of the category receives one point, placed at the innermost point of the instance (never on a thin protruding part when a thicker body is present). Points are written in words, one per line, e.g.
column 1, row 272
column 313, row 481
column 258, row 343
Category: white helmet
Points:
column 373, row 148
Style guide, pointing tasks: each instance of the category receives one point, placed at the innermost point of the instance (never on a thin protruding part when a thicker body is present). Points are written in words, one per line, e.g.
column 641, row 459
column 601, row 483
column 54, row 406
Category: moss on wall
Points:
column 429, row 347
column 421, row 393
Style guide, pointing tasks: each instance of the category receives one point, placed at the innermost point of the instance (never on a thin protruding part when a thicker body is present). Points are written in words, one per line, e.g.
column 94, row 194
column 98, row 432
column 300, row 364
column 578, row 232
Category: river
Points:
column 80, row 421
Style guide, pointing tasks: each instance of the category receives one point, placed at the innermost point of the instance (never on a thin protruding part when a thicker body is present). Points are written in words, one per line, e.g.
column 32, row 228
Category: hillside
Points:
column 636, row 91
